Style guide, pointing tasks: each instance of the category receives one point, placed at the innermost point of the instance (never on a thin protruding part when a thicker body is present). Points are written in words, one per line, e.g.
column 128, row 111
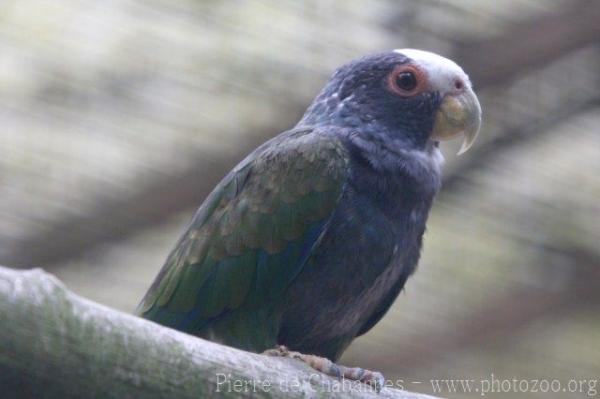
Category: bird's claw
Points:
column 279, row 351
column 372, row 378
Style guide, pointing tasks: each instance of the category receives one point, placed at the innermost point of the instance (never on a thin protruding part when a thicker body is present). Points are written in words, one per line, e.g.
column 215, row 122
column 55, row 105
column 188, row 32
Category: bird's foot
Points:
column 373, row 378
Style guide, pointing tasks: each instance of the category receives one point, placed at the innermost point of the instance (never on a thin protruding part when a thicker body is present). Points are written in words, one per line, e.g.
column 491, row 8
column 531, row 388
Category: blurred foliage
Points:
column 100, row 100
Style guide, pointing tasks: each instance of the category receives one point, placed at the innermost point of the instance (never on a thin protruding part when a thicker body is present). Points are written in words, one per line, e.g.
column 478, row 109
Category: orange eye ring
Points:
column 406, row 80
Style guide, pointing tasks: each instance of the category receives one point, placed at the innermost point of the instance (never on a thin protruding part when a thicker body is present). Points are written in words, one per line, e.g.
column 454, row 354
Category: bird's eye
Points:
column 406, row 81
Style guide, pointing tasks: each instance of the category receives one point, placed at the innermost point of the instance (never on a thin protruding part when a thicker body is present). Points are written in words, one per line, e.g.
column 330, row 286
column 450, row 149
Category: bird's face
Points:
column 458, row 112
column 417, row 95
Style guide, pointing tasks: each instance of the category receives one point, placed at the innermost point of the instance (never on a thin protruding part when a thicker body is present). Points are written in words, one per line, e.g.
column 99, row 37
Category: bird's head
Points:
column 411, row 95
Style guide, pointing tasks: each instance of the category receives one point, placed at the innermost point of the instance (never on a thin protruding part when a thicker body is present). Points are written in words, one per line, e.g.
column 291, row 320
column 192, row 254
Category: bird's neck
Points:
column 388, row 146
column 331, row 108
column 385, row 155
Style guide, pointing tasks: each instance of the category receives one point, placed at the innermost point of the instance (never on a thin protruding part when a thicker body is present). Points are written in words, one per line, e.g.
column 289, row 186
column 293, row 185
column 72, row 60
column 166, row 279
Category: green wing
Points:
column 247, row 242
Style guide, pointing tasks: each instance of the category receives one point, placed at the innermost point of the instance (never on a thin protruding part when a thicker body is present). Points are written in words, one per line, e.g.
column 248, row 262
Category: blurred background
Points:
column 118, row 117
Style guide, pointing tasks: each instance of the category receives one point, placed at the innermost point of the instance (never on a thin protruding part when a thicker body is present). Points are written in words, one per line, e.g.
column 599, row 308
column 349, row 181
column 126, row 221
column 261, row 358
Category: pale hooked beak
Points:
column 459, row 113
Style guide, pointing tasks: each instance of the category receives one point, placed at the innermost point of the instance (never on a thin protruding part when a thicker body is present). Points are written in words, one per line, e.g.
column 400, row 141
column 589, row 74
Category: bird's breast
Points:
column 372, row 241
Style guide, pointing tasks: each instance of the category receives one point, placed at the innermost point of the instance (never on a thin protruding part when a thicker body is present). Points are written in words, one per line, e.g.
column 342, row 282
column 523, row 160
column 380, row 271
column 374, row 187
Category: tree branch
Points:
column 55, row 344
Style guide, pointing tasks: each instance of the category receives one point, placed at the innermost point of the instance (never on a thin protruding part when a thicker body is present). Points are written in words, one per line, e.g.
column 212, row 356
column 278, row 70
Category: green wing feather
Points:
column 247, row 242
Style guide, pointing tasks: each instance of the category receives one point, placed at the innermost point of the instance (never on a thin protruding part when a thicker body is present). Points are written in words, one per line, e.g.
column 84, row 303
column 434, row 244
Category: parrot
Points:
column 307, row 242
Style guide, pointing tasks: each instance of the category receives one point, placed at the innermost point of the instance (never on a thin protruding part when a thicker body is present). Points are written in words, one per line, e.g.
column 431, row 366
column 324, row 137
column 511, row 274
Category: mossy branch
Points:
column 55, row 344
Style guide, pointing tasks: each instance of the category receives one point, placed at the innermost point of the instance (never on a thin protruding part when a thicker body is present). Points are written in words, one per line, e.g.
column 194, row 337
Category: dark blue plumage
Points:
column 310, row 239
column 374, row 238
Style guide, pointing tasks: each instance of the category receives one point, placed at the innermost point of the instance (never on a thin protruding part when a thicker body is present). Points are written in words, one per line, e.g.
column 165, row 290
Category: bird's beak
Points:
column 458, row 114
